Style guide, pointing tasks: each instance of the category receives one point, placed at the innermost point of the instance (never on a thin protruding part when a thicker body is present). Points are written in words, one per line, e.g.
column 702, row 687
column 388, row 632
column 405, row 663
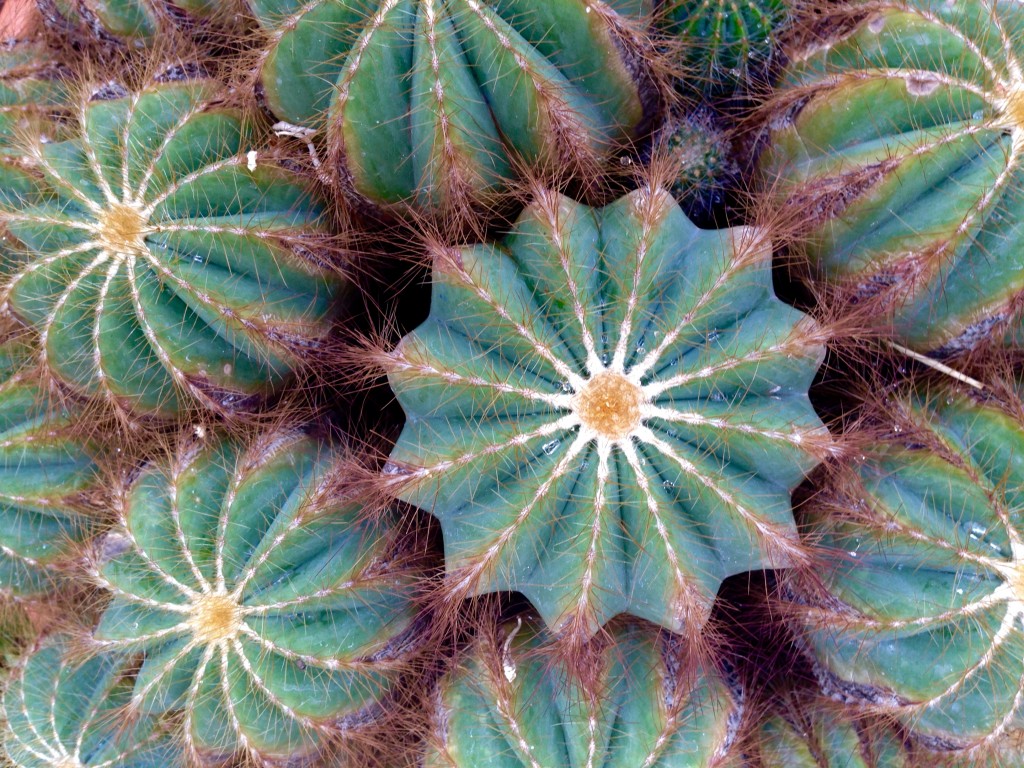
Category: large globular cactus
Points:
column 638, row 702
column 159, row 264
column 51, row 489
column 898, row 139
column 922, row 617
column 270, row 614
column 63, row 714
column 607, row 411
column 432, row 104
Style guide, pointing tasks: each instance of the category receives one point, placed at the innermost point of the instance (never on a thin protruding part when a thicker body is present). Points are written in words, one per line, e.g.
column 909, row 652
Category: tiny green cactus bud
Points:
column 698, row 155
column 922, row 620
column 899, row 144
column 724, row 41
column 156, row 262
column 430, row 104
column 49, row 481
column 59, row 714
column 607, row 411
column 507, row 705
column 270, row 613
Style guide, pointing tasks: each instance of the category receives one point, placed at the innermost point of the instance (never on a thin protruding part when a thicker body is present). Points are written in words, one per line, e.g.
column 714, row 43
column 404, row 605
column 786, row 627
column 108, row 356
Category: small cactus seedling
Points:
column 817, row 735
column 900, row 145
column 59, row 714
column 724, row 40
column 922, row 620
column 698, row 155
column 136, row 23
column 430, row 104
column 49, row 482
column 607, row 412
column 638, row 704
column 270, row 613
column 157, row 263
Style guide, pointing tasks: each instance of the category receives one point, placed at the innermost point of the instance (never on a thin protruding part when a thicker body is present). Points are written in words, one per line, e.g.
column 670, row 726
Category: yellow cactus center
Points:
column 610, row 405
column 122, row 229
column 215, row 618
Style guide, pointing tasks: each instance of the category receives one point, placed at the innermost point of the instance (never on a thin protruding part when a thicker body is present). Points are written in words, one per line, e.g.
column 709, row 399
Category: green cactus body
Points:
column 508, row 706
column 63, row 715
column 928, row 577
column 901, row 144
column 30, row 91
column 725, row 39
column 268, row 613
column 426, row 102
column 158, row 264
column 49, row 482
column 138, row 23
column 824, row 737
column 607, row 411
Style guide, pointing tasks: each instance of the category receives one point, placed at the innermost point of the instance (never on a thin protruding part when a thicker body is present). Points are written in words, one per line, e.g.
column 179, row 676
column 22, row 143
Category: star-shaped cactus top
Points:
column 428, row 103
column 508, row 705
column 51, row 498
column 900, row 139
column 158, row 264
column 926, row 604
column 60, row 714
column 268, row 612
column 607, row 411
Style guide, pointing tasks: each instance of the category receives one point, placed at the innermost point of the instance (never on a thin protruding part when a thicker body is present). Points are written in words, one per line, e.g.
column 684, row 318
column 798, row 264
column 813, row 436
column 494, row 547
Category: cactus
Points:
column 157, row 263
column 699, row 158
column 507, row 705
column 59, row 714
column 724, row 40
column 50, row 485
column 923, row 616
column 136, row 23
column 607, row 411
column 816, row 735
column 899, row 142
column 432, row 105
column 272, row 614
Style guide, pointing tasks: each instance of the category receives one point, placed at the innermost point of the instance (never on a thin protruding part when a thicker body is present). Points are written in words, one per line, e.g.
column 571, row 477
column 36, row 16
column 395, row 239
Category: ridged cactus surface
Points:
column 138, row 23
column 607, row 410
column 507, row 706
column 426, row 103
column 61, row 714
column 927, row 575
column 157, row 266
column 901, row 142
column 50, row 486
column 816, row 736
column 269, row 614
column 724, row 39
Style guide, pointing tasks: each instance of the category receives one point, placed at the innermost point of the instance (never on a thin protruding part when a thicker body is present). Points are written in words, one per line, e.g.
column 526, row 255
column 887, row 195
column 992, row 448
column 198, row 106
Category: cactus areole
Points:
column 430, row 104
column 607, row 411
column 902, row 143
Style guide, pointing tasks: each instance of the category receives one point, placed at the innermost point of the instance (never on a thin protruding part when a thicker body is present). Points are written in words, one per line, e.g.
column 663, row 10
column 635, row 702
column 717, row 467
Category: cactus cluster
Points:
column 367, row 397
